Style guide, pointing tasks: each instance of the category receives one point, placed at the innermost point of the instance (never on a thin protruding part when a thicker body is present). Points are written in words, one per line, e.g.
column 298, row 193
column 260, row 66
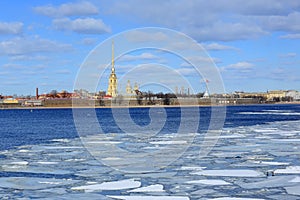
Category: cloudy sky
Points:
column 254, row 44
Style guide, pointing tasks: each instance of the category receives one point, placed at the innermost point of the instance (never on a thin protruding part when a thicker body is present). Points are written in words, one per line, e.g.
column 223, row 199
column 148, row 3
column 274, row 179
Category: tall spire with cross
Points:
column 112, row 58
column 112, row 83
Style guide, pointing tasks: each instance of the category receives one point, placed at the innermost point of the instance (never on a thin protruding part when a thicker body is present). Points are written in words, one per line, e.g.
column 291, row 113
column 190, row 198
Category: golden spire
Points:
column 112, row 58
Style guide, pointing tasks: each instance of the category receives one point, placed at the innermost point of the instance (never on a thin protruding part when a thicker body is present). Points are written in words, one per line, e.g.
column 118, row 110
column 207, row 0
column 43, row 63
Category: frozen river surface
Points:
column 258, row 160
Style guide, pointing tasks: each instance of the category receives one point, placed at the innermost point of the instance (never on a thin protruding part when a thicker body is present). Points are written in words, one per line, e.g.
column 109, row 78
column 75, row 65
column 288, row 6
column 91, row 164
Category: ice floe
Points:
column 149, row 197
column 209, row 182
column 288, row 170
column 114, row 185
column 31, row 183
column 150, row 188
column 235, row 169
column 294, row 190
column 235, row 198
column 270, row 163
column 191, row 168
column 19, row 163
column 295, row 180
column 269, row 182
column 47, row 163
column 169, row 142
column 230, row 172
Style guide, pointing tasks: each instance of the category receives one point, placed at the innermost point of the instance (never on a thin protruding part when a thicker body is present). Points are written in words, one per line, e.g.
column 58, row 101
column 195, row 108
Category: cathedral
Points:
column 129, row 90
column 113, row 81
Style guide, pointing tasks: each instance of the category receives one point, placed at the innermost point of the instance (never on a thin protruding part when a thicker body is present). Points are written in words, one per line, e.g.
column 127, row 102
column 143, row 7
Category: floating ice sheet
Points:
column 114, row 185
column 149, row 197
column 23, row 183
column 209, row 182
column 288, row 170
column 269, row 182
column 150, row 188
column 235, row 198
column 230, row 172
column 294, row 190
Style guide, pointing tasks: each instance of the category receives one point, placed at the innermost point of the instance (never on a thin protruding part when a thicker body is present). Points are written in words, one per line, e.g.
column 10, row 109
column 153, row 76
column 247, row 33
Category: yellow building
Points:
column 276, row 94
column 113, row 81
column 10, row 101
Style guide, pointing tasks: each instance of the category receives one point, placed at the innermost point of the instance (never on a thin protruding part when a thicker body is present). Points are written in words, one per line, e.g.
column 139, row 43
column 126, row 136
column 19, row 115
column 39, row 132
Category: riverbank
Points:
column 142, row 106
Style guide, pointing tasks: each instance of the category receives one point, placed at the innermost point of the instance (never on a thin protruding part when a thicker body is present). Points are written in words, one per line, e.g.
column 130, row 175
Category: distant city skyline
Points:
column 255, row 45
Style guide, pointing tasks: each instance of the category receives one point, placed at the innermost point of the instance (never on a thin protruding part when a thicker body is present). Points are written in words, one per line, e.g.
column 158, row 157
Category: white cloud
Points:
column 63, row 71
column 188, row 71
column 26, row 57
column 83, row 8
column 20, row 46
column 143, row 56
column 2, row 73
column 224, row 31
column 202, row 20
column 217, row 47
column 22, row 66
column 240, row 66
column 11, row 27
column 214, row 21
column 81, row 25
column 200, row 60
column 89, row 41
column 141, row 36
column 291, row 36
column 288, row 55
column 288, row 23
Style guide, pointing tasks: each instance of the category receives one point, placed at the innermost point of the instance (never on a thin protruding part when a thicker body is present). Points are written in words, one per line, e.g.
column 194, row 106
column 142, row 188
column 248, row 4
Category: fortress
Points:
column 112, row 89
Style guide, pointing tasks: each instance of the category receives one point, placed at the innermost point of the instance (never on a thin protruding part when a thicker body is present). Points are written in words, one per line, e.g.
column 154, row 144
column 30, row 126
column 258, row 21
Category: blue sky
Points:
column 255, row 44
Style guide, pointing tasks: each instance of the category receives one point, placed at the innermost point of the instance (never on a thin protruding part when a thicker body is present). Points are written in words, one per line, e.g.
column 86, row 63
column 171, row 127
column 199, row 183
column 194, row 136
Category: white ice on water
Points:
column 294, row 190
column 150, row 188
column 193, row 168
column 295, row 180
column 19, row 163
column 32, row 183
column 235, row 198
column 209, row 182
column 230, row 172
column 169, row 142
column 288, row 170
column 149, row 197
column 271, row 163
column 113, row 185
column 235, row 169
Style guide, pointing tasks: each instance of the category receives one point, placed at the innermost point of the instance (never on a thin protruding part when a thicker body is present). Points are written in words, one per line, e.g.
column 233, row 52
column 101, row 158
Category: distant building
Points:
column 10, row 101
column 113, row 81
column 129, row 90
column 250, row 94
column 33, row 103
column 271, row 95
column 295, row 95
column 206, row 95
column 136, row 87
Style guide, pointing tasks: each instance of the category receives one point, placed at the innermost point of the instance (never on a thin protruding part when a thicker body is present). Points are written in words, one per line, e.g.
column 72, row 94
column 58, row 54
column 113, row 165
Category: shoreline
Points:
column 141, row 106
